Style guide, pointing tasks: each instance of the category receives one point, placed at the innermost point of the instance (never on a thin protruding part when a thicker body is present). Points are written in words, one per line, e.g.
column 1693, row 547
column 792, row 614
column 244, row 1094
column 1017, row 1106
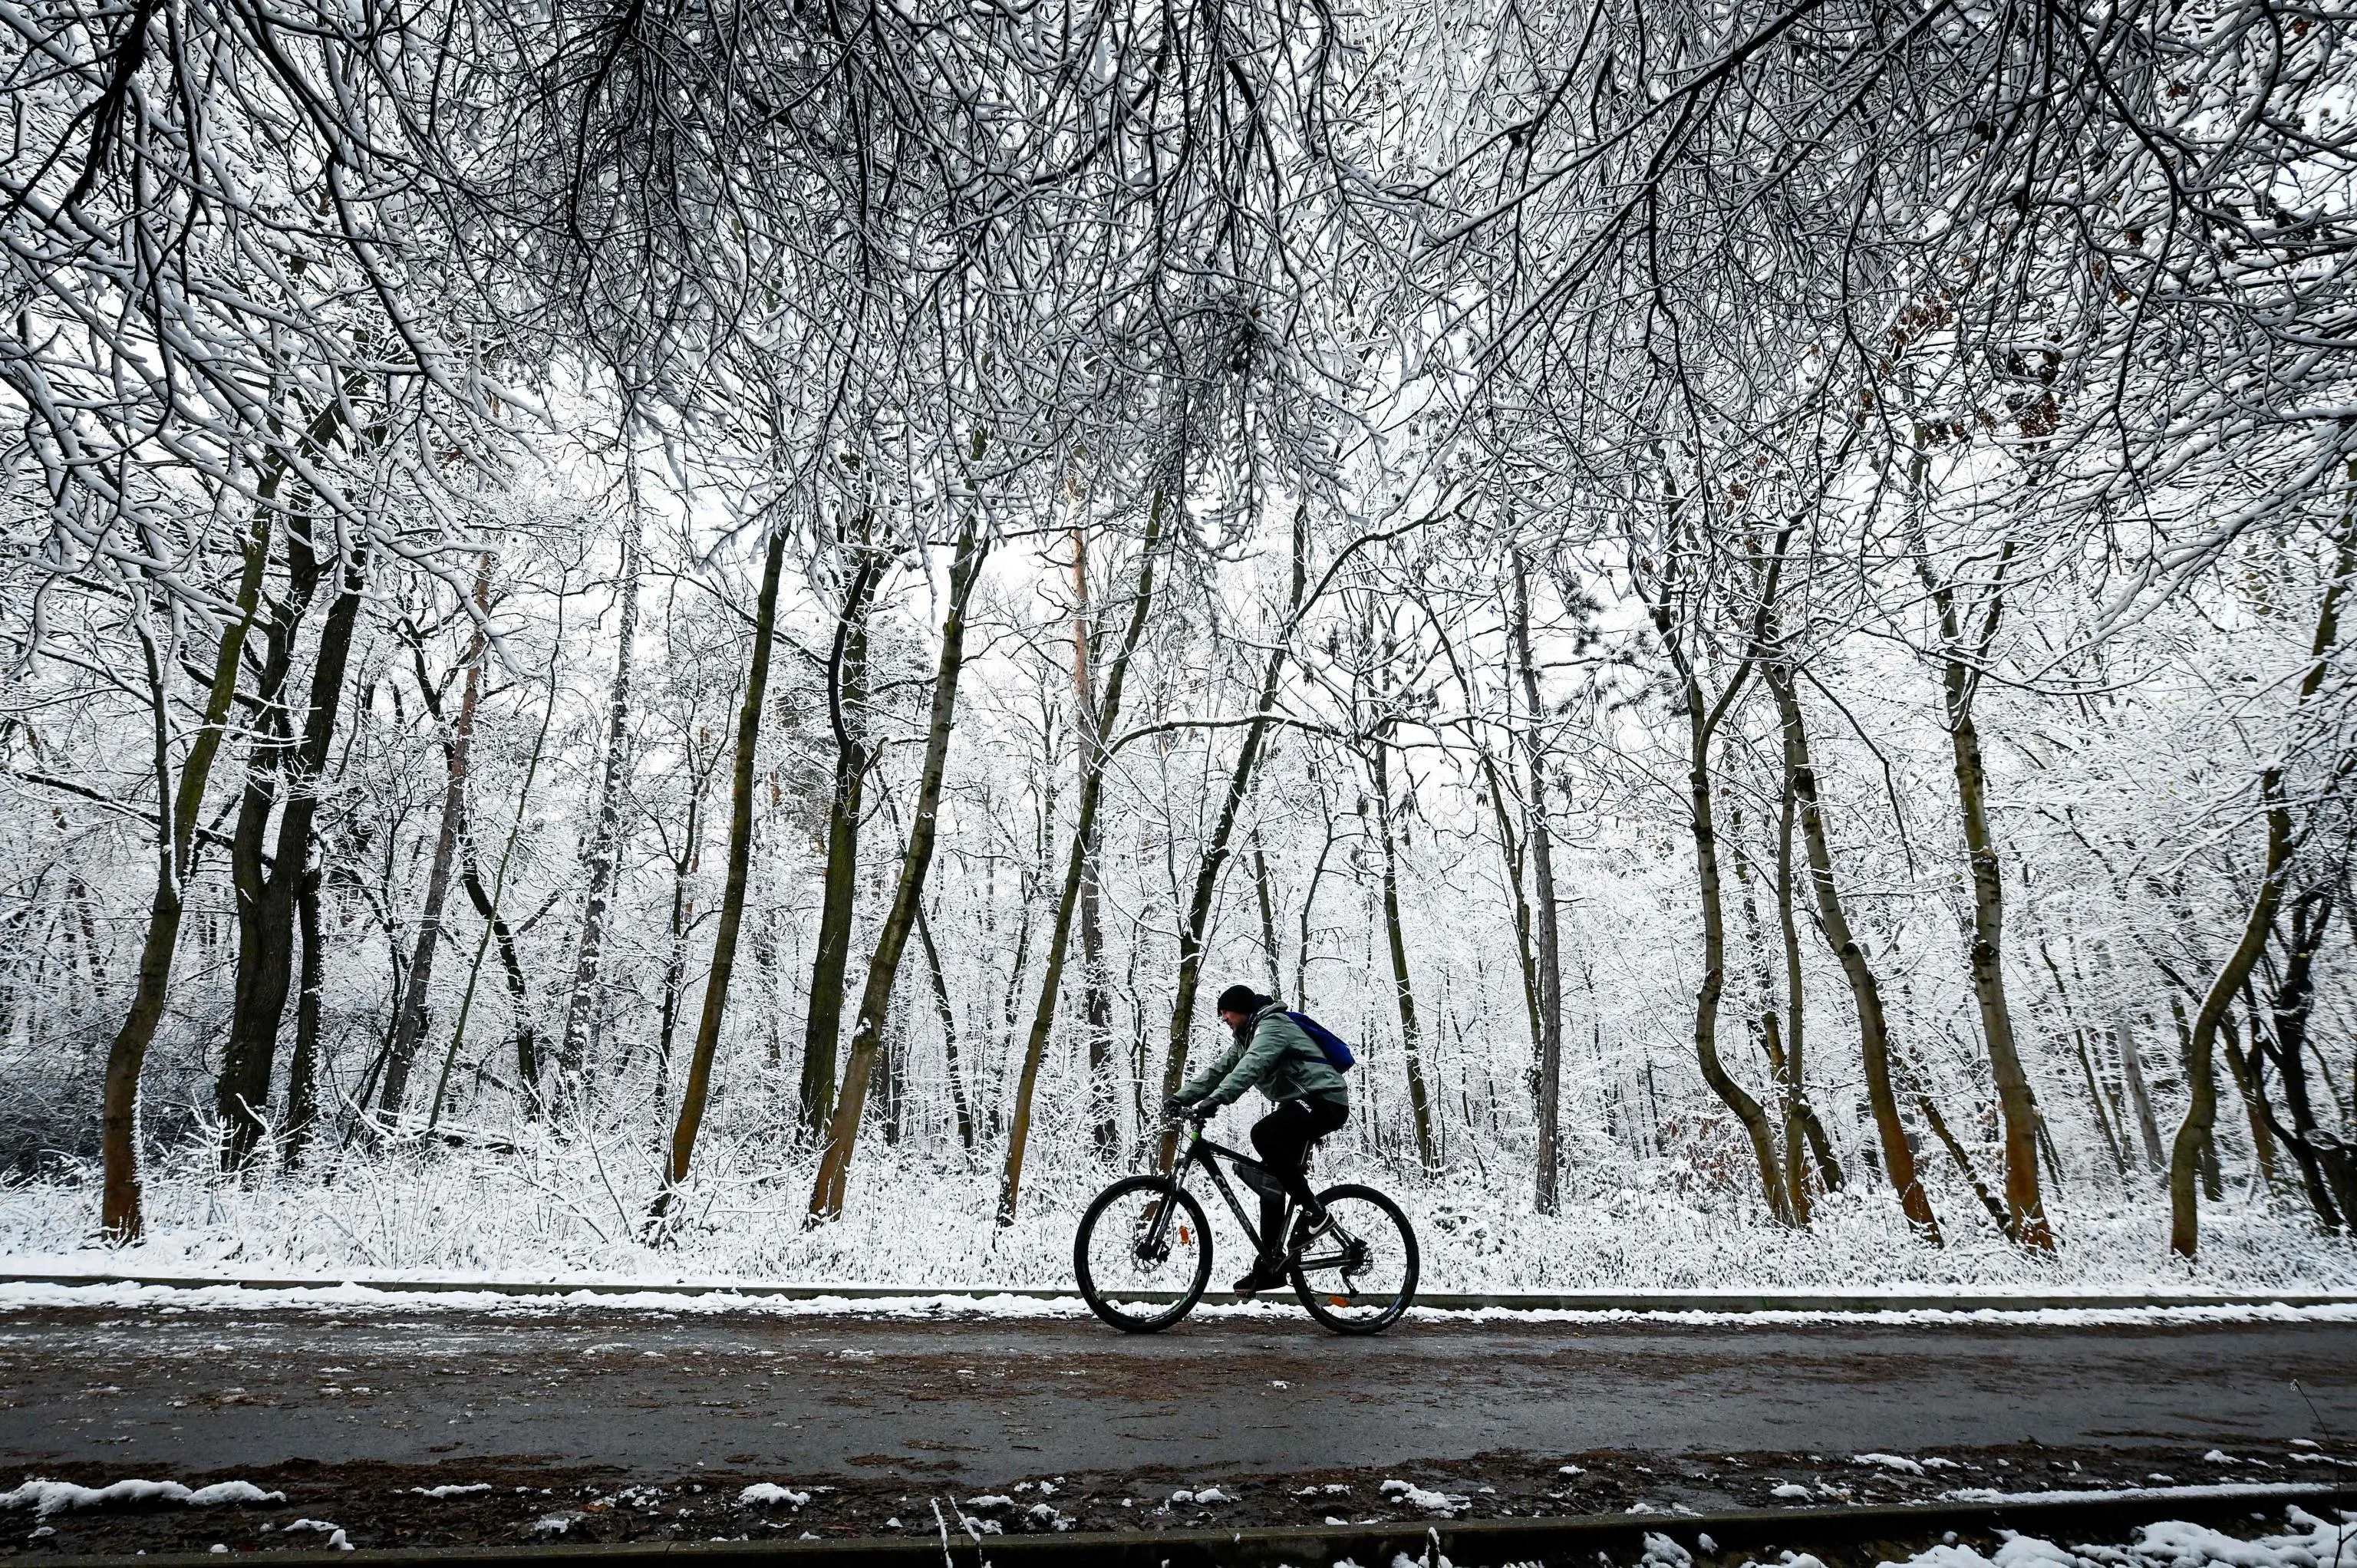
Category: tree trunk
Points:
column 732, row 896
column 409, row 1025
column 1419, row 1095
column 265, row 967
column 1732, row 1094
column 884, row 966
column 526, row 1046
column 487, row 906
column 2015, row 1104
column 1051, row 980
column 238, row 1098
column 846, row 696
column 2253, row 1095
column 946, row 1011
column 2202, row 1113
column 603, row 852
column 1096, row 1001
column 2139, row 1099
column 683, row 921
column 1866, row 991
column 303, row 1071
column 120, row 1218
column 1801, row 1110
column 2086, row 1066
column 1548, row 957
column 1939, row 1126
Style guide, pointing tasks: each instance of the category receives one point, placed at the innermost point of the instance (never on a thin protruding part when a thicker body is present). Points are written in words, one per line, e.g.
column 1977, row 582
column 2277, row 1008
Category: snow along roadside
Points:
column 22, row 1292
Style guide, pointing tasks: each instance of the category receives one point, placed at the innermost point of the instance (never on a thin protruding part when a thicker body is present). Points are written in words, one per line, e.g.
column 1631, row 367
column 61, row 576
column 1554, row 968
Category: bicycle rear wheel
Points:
column 1143, row 1254
column 1359, row 1276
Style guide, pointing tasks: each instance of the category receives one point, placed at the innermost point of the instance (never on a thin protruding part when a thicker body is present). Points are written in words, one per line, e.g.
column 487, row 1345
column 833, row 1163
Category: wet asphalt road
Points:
column 173, row 1392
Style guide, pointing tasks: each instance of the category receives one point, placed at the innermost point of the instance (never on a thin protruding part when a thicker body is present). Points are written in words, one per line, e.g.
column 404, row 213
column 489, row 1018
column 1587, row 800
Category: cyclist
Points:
column 1271, row 1053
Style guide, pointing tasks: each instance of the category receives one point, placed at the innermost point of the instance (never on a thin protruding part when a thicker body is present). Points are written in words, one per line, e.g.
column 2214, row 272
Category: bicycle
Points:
column 1143, row 1254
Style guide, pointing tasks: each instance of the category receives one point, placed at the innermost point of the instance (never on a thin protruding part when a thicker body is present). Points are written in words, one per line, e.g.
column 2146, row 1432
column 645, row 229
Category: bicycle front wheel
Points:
column 1142, row 1255
column 1359, row 1275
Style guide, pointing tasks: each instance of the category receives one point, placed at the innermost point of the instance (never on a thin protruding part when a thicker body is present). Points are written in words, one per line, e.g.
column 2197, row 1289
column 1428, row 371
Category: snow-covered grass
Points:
column 556, row 1209
column 2308, row 1543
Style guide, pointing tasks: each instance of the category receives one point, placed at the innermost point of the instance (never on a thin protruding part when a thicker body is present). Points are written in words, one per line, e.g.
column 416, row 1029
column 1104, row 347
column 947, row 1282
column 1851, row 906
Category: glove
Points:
column 1175, row 1109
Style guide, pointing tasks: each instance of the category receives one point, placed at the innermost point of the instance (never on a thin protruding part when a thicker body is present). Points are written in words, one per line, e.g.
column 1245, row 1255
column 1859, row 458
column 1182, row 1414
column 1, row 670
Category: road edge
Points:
column 1475, row 1543
column 754, row 1292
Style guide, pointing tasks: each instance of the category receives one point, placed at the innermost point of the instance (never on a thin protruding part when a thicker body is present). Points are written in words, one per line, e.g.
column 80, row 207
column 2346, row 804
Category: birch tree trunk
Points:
column 1051, row 979
column 732, row 898
column 1096, row 1001
column 602, row 853
column 303, row 1069
column 1548, row 957
column 884, row 966
column 2140, row 1098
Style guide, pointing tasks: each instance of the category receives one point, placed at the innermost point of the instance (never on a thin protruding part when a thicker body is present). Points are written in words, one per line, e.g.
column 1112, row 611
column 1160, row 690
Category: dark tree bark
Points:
column 2193, row 1133
column 846, row 696
column 266, row 938
column 2017, row 1106
column 1419, row 1094
column 1866, row 991
column 119, row 1216
column 916, row 860
column 698, row 1086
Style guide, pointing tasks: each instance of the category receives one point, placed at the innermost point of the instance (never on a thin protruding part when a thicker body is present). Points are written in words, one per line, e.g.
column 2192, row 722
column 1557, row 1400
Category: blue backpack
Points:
column 1338, row 1054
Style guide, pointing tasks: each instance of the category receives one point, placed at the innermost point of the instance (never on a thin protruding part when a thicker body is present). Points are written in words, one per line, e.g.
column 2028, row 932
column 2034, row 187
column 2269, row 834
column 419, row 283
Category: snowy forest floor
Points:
column 541, row 1209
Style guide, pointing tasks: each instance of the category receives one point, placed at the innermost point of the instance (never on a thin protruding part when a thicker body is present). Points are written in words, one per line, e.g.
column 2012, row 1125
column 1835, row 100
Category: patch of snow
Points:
column 46, row 1498
column 556, row 1523
column 448, row 1491
column 1663, row 1552
column 1447, row 1505
column 1897, row 1462
column 769, row 1494
column 2311, row 1542
column 1790, row 1490
column 336, row 1540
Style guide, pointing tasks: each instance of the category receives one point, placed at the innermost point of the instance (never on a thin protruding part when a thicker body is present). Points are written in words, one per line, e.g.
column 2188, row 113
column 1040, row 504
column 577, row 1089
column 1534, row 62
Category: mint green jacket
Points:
column 1270, row 1054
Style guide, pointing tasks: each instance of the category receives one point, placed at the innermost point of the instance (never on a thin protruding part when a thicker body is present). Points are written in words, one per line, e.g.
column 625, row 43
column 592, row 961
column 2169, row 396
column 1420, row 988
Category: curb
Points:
column 1488, row 1541
column 1729, row 1302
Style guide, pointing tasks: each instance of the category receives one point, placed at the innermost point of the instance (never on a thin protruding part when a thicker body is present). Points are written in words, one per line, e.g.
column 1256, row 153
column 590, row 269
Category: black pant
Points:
column 1282, row 1137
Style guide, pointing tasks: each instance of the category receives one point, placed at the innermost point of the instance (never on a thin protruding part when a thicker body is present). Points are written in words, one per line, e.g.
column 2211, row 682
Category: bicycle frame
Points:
column 1206, row 1152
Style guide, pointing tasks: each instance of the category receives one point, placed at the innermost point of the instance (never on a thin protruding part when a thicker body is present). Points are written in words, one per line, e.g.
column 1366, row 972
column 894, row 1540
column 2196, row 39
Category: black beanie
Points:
column 1242, row 999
